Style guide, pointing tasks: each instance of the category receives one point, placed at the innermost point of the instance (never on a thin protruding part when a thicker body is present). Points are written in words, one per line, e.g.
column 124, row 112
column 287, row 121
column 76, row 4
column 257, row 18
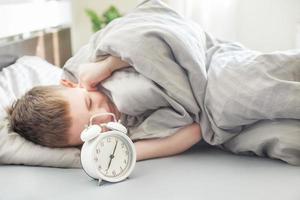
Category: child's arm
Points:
column 91, row 74
column 116, row 63
column 182, row 140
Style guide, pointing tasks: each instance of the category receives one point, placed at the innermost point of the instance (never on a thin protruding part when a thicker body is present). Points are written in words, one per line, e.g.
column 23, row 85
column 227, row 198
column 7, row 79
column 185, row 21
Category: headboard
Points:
column 53, row 45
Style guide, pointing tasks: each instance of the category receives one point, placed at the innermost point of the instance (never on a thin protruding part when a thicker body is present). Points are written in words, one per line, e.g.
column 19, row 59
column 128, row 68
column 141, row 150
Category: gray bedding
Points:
column 6, row 60
column 229, row 90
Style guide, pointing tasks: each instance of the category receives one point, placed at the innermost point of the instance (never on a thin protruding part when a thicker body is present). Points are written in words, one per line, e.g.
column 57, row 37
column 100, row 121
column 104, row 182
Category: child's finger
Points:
column 92, row 89
column 88, row 87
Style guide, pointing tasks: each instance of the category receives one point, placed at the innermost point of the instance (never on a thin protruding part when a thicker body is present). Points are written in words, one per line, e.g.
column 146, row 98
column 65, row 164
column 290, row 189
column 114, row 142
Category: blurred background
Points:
column 56, row 29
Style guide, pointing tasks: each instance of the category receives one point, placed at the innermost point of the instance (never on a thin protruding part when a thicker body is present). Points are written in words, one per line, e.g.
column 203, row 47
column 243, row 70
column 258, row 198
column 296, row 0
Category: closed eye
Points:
column 88, row 102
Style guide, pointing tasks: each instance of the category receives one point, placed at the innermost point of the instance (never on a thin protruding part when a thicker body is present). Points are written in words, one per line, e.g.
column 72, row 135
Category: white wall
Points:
column 265, row 25
column 81, row 26
column 271, row 26
column 19, row 17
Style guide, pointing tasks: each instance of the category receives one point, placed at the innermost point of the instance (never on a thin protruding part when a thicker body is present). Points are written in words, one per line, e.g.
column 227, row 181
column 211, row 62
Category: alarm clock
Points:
column 110, row 155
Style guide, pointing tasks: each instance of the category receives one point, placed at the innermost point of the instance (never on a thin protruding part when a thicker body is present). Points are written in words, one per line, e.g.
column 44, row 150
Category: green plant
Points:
column 98, row 22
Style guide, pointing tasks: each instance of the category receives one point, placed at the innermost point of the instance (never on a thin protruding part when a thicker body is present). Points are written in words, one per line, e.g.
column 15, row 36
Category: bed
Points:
column 29, row 171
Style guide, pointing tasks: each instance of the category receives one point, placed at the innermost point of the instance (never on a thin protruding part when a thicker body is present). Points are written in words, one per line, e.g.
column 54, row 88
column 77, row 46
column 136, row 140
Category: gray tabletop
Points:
column 201, row 173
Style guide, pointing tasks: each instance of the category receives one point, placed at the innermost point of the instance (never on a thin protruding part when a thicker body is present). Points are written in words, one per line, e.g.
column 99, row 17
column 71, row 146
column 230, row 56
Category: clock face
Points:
column 113, row 156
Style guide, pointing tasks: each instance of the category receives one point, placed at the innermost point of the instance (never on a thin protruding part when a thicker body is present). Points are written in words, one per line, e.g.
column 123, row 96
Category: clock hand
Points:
column 115, row 148
column 109, row 163
column 112, row 156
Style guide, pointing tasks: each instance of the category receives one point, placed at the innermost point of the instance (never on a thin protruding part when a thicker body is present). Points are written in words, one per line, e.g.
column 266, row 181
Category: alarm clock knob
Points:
column 117, row 127
column 90, row 132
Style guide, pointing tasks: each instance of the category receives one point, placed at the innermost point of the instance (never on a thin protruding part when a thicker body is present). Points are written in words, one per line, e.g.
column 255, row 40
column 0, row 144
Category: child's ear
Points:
column 68, row 83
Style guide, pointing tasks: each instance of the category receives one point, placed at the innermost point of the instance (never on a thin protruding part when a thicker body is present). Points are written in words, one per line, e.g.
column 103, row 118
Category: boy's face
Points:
column 83, row 104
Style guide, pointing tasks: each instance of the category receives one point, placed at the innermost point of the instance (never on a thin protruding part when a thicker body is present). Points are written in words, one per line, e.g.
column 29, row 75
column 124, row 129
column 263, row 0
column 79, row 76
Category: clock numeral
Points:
column 97, row 151
column 122, row 145
column 121, row 168
column 114, row 172
column 125, row 161
column 101, row 144
column 99, row 167
column 108, row 139
column 126, row 152
column 96, row 159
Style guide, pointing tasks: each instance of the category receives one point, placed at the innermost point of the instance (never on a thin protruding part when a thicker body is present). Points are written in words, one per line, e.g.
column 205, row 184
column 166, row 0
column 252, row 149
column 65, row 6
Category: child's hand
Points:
column 91, row 74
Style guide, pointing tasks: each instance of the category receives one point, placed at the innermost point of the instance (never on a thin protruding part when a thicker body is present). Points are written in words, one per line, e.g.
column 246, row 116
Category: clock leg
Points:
column 99, row 182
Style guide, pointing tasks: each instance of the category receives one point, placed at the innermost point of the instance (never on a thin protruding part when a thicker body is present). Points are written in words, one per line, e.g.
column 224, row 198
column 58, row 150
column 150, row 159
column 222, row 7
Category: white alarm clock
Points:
column 109, row 155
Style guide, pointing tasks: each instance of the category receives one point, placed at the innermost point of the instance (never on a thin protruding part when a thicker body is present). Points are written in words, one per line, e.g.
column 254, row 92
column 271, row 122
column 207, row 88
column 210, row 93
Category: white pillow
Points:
column 15, row 80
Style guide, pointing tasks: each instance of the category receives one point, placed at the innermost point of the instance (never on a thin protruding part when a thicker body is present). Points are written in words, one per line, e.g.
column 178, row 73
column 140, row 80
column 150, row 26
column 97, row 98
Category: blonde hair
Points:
column 42, row 116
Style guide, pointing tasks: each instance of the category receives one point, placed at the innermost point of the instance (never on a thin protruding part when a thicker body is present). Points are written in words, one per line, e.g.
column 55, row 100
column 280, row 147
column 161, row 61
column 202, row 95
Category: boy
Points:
column 54, row 116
